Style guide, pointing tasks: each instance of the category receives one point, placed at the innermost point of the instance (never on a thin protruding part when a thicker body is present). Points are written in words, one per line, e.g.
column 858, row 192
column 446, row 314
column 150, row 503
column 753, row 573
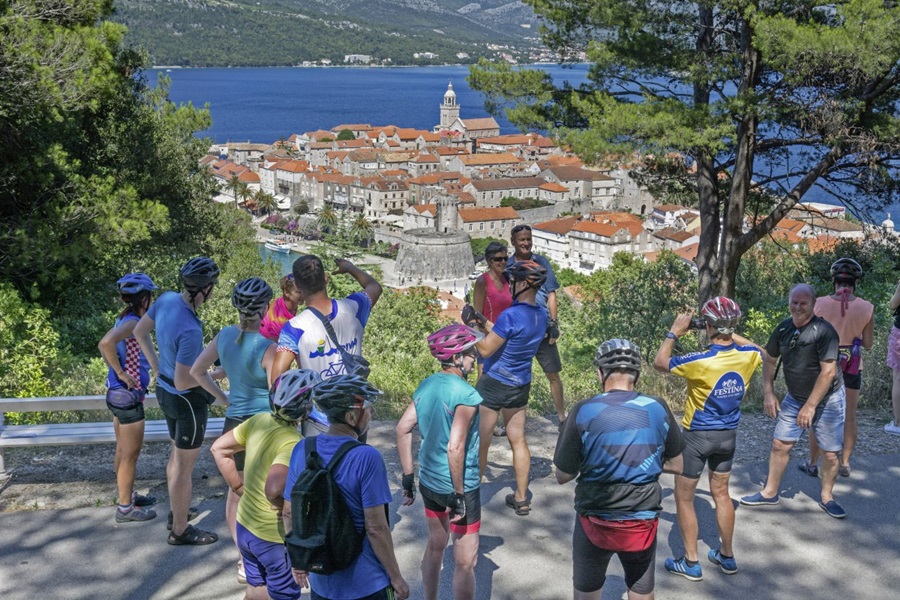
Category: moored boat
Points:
column 276, row 245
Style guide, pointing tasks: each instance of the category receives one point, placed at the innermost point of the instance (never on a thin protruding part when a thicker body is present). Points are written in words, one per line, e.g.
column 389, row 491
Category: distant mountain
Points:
column 292, row 32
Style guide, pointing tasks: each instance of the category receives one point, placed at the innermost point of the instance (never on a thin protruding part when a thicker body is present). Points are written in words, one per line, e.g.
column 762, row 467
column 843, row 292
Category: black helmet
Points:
column 251, row 296
column 527, row 270
column 337, row 395
column 846, row 268
column 290, row 398
column 618, row 354
column 198, row 273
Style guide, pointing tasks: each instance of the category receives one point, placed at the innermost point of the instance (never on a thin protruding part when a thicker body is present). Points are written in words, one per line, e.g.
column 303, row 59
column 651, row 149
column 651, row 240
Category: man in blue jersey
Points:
column 508, row 350
column 617, row 444
column 445, row 408
column 362, row 478
column 717, row 380
column 179, row 334
column 548, row 352
column 305, row 339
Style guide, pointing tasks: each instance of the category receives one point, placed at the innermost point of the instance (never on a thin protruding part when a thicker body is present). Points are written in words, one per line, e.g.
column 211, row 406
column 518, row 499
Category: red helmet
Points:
column 451, row 340
column 722, row 313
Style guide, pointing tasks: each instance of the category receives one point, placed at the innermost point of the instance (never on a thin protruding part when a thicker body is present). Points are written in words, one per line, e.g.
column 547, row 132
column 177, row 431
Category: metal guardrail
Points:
column 61, row 403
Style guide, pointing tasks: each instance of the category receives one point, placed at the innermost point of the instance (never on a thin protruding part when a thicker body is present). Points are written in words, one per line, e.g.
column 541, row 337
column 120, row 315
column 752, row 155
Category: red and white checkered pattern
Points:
column 132, row 364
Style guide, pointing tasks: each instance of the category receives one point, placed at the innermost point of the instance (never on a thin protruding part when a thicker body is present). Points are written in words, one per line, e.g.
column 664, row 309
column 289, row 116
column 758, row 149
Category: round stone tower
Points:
column 437, row 253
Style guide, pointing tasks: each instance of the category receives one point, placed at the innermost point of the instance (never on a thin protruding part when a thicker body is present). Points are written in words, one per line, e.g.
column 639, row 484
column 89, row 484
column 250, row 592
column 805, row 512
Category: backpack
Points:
column 323, row 538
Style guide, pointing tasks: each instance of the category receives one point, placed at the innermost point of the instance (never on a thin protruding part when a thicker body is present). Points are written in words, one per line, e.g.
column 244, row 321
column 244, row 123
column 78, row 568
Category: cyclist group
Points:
column 616, row 444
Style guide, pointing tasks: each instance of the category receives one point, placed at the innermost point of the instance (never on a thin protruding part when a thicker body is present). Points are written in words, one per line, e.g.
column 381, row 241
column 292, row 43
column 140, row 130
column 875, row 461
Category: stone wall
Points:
column 431, row 256
column 547, row 213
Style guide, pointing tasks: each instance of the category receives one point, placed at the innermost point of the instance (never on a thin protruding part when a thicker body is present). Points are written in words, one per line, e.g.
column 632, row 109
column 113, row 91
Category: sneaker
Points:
column 135, row 514
column 758, row 499
column 833, row 509
column 680, row 567
column 891, row 428
column 728, row 565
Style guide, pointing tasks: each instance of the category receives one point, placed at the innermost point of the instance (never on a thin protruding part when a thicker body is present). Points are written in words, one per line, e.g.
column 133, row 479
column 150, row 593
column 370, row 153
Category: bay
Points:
column 269, row 103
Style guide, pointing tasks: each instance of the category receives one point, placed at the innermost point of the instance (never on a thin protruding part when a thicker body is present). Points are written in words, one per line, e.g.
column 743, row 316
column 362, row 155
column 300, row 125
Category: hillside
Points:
column 293, row 32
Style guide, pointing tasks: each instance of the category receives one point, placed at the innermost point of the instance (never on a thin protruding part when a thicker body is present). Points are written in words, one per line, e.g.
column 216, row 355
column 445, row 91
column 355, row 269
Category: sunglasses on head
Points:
column 519, row 228
column 794, row 338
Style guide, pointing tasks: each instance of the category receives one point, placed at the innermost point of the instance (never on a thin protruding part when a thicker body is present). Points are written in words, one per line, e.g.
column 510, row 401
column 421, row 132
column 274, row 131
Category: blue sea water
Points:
column 266, row 104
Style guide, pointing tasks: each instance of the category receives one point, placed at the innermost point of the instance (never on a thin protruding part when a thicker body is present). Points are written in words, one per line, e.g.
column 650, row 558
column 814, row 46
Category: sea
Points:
column 266, row 104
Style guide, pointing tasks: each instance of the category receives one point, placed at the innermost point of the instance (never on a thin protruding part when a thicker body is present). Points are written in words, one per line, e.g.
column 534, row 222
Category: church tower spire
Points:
column 449, row 108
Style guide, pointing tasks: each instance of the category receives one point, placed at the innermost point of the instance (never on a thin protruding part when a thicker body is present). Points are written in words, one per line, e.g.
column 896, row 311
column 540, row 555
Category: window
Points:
column 481, row 226
column 470, row 227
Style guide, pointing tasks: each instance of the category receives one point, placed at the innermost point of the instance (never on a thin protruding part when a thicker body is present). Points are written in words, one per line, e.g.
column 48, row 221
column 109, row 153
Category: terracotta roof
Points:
column 480, row 124
column 321, row 145
column 784, row 235
column 790, row 225
column 424, row 208
column 602, row 229
column 209, row 158
column 249, row 176
column 521, row 139
column 319, row 133
column 408, row 133
column 835, row 224
column 822, row 243
column 573, row 173
column 560, row 161
column 434, row 178
column 507, row 183
column 464, row 197
column 292, row 166
column 352, row 127
column 397, row 157
column 688, row 252
column 552, row 186
column 670, row 233
column 431, row 137
column 617, row 216
column 450, row 151
column 360, row 143
column 477, row 160
column 558, row 226
column 385, row 185
column 365, row 155
column 469, row 215
column 394, row 173
column 426, row 158
column 337, row 154
column 669, row 208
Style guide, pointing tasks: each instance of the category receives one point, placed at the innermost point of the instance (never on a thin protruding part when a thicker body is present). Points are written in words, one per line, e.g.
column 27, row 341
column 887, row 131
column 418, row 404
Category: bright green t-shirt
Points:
column 268, row 441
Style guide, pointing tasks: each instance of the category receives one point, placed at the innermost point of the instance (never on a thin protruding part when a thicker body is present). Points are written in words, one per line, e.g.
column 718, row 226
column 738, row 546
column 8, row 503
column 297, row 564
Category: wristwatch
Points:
column 671, row 336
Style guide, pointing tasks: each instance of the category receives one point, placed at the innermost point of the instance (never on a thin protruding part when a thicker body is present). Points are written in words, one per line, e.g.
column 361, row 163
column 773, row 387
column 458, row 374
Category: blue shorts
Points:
column 828, row 422
column 266, row 564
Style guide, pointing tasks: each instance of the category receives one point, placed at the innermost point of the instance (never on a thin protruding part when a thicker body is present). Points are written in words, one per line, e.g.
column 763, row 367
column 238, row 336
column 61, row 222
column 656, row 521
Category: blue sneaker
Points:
column 758, row 499
column 833, row 509
column 680, row 567
column 728, row 565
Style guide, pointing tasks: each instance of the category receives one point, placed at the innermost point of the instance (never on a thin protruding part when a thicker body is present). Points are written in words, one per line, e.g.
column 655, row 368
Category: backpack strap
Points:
column 329, row 329
column 313, row 459
column 344, row 449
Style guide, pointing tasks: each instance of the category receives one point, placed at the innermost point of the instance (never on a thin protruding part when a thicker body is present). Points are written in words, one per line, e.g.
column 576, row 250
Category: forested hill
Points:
column 291, row 32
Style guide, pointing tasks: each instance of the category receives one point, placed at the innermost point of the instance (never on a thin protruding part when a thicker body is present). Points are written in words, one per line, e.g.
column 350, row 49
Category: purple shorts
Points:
column 893, row 350
column 266, row 564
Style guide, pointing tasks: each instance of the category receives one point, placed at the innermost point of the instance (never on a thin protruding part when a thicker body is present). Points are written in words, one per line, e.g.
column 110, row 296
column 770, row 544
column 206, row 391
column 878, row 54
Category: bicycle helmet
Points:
column 251, row 296
column 618, row 354
column 198, row 273
column 846, row 268
column 290, row 398
column 527, row 270
column 134, row 283
column 722, row 313
column 447, row 342
column 336, row 395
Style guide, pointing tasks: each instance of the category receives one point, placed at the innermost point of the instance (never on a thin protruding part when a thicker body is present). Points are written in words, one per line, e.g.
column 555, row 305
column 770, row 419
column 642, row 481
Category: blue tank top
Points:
column 242, row 360
column 131, row 359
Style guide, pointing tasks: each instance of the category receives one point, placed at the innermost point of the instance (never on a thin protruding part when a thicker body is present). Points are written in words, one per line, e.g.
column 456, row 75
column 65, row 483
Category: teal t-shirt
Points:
column 436, row 400
column 248, row 392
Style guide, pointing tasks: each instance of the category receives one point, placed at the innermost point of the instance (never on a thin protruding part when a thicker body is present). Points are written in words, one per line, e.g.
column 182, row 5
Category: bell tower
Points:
column 449, row 108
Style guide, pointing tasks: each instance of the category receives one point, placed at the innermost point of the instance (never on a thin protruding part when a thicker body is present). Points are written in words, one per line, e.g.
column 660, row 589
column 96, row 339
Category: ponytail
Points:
column 134, row 304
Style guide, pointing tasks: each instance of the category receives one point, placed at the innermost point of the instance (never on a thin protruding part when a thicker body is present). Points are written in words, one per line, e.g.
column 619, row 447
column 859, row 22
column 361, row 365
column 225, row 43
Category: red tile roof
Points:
column 558, row 226
column 469, row 215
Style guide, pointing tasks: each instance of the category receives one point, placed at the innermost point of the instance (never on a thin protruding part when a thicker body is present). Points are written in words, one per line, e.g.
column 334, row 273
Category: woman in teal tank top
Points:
column 246, row 358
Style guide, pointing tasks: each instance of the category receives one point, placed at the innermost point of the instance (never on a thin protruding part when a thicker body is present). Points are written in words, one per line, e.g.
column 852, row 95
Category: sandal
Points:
column 499, row 431
column 811, row 470
column 192, row 536
column 522, row 508
column 844, row 471
column 193, row 512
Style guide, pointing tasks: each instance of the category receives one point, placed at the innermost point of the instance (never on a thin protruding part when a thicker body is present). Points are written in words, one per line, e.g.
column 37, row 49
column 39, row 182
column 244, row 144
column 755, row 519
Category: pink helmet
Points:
column 722, row 313
column 451, row 340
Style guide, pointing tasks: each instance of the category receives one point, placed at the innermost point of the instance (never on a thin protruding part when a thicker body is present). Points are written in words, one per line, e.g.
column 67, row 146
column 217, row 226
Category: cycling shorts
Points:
column 496, row 395
column 186, row 416
column 266, row 564
column 713, row 447
column 436, row 507
column 548, row 356
column 127, row 416
column 590, row 562
column 231, row 423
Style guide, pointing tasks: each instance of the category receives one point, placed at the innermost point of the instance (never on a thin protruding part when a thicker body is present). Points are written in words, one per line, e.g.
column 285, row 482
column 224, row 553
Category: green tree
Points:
column 301, row 208
column 779, row 97
column 362, row 230
column 265, row 202
column 345, row 134
column 327, row 219
column 236, row 187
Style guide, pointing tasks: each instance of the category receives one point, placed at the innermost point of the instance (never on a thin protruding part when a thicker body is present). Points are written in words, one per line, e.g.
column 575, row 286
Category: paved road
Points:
column 793, row 550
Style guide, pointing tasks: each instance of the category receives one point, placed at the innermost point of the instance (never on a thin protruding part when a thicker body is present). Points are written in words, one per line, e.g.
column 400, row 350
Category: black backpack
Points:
column 323, row 538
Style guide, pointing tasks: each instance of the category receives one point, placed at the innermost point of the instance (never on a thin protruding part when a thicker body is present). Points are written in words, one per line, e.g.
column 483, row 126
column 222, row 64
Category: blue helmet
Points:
column 134, row 283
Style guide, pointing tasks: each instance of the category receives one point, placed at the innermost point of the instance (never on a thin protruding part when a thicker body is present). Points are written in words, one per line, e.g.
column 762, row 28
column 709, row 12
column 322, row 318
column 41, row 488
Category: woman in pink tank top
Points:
column 854, row 320
column 282, row 310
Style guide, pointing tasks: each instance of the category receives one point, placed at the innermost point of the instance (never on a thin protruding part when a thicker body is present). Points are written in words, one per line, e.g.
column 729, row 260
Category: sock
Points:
column 691, row 563
column 723, row 555
column 126, row 508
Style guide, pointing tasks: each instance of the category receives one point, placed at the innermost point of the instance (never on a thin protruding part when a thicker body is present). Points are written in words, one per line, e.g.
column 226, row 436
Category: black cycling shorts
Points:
column 589, row 564
column 497, row 396
column 713, row 447
column 186, row 416
column 548, row 356
column 852, row 382
column 436, row 507
column 231, row 423
column 127, row 416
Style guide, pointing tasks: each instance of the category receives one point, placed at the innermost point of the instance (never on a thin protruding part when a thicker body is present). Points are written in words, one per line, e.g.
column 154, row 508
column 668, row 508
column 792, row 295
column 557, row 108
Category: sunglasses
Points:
column 519, row 228
column 499, row 259
column 794, row 339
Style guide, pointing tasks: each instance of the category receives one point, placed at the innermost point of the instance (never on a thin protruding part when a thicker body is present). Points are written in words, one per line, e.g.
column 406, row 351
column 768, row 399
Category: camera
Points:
column 698, row 323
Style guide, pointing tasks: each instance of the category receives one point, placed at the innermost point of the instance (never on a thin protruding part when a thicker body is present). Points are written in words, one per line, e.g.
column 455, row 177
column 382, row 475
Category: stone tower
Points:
column 449, row 109
column 447, row 214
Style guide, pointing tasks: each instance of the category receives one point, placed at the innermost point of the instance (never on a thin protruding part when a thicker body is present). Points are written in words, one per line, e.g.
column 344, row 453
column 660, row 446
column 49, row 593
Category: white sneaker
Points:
column 891, row 428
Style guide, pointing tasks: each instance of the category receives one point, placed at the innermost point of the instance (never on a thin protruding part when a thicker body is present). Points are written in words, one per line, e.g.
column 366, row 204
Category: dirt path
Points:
column 81, row 476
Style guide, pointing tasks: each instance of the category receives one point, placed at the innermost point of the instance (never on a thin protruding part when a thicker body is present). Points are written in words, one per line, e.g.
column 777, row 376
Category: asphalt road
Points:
column 793, row 550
